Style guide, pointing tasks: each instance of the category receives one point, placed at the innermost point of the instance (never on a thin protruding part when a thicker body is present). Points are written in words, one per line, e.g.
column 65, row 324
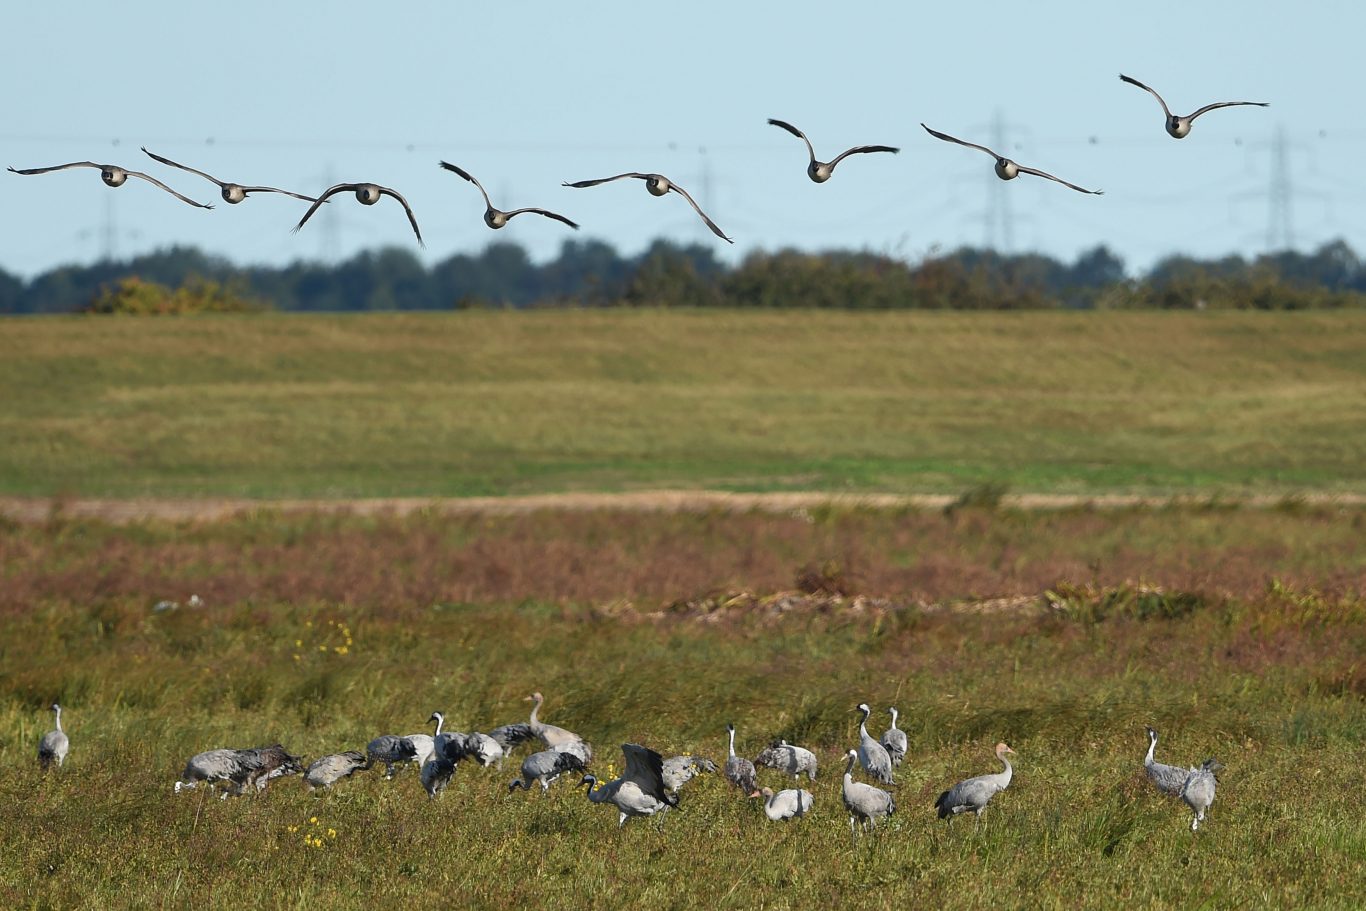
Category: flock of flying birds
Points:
column 657, row 184
column 649, row 785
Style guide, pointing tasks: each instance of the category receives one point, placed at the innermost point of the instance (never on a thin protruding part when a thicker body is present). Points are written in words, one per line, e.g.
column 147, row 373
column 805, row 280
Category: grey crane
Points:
column 54, row 745
column 1198, row 791
column 789, row 758
column 549, row 734
column 233, row 193
column 864, row 802
column 545, row 767
column 658, row 185
column 395, row 749
column 367, row 194
column 113, row 176
column 510, row 736
column 894, row 740
column 872, row 755
column 739, row 770
column 497, row 218
column 640, row 789
column 436, row 773
column 679, row 770
column 974, row 794
column 821, row 171
column 1007, row 169
column 241, row 769
column 1180, row 127
column 789, row 804
column 1169, row 779
column 326, row 771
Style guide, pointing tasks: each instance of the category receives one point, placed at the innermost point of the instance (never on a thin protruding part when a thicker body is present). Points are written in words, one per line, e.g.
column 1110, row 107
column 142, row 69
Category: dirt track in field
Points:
column 123, row 511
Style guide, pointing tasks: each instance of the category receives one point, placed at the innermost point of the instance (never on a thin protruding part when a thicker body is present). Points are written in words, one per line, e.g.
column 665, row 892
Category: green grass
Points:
column 507, row 403
column 1217, row 648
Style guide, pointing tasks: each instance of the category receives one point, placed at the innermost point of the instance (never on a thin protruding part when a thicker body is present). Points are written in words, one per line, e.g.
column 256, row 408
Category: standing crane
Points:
column 975, row 793
column 864, row 802
column 739, row 770
column 1169, row 779
column 872, row 755
column 894, row 741
column 1198, row 791
column 55, row 744
column 789, row 758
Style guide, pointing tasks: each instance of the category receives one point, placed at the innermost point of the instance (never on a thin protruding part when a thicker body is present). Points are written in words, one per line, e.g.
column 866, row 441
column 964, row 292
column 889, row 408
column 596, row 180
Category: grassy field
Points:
column 509, row 403
column 1237, row 633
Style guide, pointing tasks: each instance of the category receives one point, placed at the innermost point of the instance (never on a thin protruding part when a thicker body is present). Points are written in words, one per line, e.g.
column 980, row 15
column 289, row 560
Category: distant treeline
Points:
column 593, row 274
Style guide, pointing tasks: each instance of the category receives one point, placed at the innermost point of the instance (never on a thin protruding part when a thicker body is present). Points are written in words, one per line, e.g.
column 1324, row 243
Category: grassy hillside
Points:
column 1243, row 641
column 503, row 403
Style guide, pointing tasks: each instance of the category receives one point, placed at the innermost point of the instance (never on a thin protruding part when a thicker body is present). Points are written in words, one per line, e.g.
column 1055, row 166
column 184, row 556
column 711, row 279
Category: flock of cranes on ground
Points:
column 657, row 184
column 650, row 783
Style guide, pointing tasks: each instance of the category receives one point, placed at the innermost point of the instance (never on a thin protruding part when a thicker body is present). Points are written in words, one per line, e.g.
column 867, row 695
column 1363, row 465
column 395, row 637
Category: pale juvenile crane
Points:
column 679, row 770
column 55, row 744
column 864, row 802
column 326, row 771
column 658, row 185
column 549, row 734
column 113, row 176
column 894, row 741
column 233, row 193
column 821, row 171
column 974, row 794
column 1198, row 791
column 544, row 767
column 640, row 789
column 497, row 218
column 739, row 770
column 1180, row 127
column 789, row 804
column 1169, row 779
column 871, row 754
column 1007, row 169
column 789, row 758
column 367, row 194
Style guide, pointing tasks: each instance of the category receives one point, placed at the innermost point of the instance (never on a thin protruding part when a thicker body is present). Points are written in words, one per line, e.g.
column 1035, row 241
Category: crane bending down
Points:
column 789, row 758
column 863, row 801
column 545, row 767
column 640, row 789
column 679, row 770
column 240, row 768
column 974, row 794
column 328, row 770
column 739, row 770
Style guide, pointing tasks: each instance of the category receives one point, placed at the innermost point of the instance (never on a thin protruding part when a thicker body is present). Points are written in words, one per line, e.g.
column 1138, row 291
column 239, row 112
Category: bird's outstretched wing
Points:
column 278, row 190
column 859, row 150
column 58, row 167
column 470, row 177
column 176, row 164
column 1132, row 81
column 783, row 124
column 1229, row 104
column 579, row 185
column 971, row 145
column 184, row 199
column 547, row 213
column 645, row 767
column 710, row 224
column 412, row 220
column 339, row 188
column 1037, row 173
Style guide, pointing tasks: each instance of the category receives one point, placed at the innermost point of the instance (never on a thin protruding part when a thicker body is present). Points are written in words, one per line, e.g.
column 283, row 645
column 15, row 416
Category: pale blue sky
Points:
column 528, row 94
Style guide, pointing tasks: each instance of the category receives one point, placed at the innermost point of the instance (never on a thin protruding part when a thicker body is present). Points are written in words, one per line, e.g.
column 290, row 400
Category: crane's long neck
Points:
column 1152, row 745
column 894, row 713
column 1004, row 777
column 535, row 708
column 863, row 725
column 732, row 742
column 58, row 712
column 589, row 784
column 849, row 768
column 440, row 720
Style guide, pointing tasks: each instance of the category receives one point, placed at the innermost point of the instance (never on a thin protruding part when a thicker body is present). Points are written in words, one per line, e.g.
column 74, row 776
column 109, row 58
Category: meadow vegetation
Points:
column 1236, row 633
column 472, row 403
